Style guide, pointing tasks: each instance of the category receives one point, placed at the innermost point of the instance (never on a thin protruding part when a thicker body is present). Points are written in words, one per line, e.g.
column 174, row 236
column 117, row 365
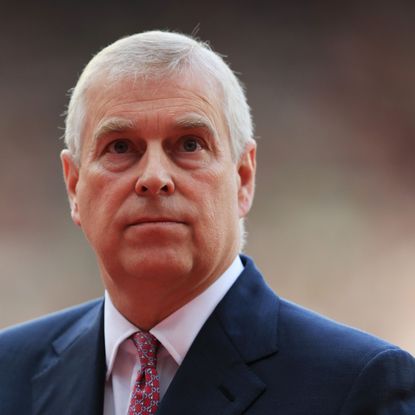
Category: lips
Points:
column 156, row 220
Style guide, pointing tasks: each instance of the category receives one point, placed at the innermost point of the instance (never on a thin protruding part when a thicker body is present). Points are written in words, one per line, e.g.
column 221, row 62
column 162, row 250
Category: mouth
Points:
column 156, row 221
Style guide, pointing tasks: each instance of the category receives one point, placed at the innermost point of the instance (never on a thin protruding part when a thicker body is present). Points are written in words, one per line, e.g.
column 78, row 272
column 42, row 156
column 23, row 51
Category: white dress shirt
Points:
column 175, row 333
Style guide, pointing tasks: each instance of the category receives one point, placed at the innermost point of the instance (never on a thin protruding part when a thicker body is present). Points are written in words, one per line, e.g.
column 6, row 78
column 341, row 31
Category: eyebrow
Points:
column 195, row 121
column 113, row 125
column 188, row 122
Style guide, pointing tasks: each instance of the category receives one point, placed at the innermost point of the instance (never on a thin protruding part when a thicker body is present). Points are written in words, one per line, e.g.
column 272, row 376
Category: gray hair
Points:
column 158, row 54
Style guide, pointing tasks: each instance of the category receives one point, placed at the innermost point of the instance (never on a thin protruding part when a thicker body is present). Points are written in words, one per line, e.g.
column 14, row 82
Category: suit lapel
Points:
column 215, row 376
column 73, row 375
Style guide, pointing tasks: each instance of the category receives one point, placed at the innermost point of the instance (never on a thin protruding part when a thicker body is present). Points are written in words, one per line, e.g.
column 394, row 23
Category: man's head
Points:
column 160, row 166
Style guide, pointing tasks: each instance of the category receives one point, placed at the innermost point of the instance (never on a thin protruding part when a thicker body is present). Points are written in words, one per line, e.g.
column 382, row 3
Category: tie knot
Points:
column 146, row 345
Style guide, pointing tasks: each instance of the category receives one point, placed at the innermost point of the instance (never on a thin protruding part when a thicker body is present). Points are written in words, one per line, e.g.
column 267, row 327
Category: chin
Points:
column 158, row 264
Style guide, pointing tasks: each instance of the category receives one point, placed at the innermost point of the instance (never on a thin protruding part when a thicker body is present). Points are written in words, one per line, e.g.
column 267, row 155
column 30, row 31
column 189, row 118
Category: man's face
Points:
column 157, row 193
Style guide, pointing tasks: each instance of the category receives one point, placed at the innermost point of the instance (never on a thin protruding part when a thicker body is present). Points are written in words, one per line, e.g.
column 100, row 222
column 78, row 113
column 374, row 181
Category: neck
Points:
column 147, row 301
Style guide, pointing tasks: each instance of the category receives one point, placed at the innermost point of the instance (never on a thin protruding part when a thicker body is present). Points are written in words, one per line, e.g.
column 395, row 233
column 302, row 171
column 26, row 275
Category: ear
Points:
column 71, row 175
column 246, row 172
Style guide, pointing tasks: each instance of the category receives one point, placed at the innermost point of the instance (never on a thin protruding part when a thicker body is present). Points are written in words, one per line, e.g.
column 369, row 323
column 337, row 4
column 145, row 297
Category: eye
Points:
column 190, row 144
column 119, row 147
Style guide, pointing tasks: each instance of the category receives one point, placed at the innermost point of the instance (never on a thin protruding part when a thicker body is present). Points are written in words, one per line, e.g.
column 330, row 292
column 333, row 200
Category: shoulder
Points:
column 322, row 342
column 370, row 372
column 298, row 328
column 306, row 329
column 34, row 334
column 327, row 363
column 28, row 349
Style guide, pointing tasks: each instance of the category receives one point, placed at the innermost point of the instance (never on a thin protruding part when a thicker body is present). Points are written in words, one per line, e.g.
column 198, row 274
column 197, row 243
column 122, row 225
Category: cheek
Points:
column 217, row 193
column 99, row 199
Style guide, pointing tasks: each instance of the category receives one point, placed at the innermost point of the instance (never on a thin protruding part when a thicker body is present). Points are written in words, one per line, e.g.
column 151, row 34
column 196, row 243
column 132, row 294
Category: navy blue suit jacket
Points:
column 257, row 354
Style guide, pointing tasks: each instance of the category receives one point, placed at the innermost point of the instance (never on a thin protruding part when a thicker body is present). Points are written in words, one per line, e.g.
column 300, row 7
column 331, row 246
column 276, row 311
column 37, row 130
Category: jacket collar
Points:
column 215, row 376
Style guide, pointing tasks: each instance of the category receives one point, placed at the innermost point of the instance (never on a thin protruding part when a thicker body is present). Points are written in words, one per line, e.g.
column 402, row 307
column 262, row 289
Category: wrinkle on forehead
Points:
column 188, row 86
column 105, row 99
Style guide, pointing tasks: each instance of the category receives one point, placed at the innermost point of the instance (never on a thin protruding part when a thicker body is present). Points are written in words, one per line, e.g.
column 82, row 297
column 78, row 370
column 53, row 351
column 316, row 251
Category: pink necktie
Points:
column 146, row 392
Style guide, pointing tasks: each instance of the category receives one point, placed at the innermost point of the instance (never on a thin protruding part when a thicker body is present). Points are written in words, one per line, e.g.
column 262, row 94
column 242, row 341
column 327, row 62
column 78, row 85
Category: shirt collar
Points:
column 116, row 329
column 177, row 331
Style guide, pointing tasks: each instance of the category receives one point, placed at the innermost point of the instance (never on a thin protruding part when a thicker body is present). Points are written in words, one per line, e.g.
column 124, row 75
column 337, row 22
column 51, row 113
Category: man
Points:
column 160, row 169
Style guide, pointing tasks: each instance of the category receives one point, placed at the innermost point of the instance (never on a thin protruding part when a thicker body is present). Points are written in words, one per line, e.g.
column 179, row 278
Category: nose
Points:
column 154, row 177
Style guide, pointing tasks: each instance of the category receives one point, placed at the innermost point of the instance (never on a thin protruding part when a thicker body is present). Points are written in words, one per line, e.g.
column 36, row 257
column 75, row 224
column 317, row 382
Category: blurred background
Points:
column 332, row 88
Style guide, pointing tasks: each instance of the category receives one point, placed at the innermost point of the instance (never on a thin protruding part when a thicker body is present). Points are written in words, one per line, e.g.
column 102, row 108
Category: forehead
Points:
column 171, row 97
